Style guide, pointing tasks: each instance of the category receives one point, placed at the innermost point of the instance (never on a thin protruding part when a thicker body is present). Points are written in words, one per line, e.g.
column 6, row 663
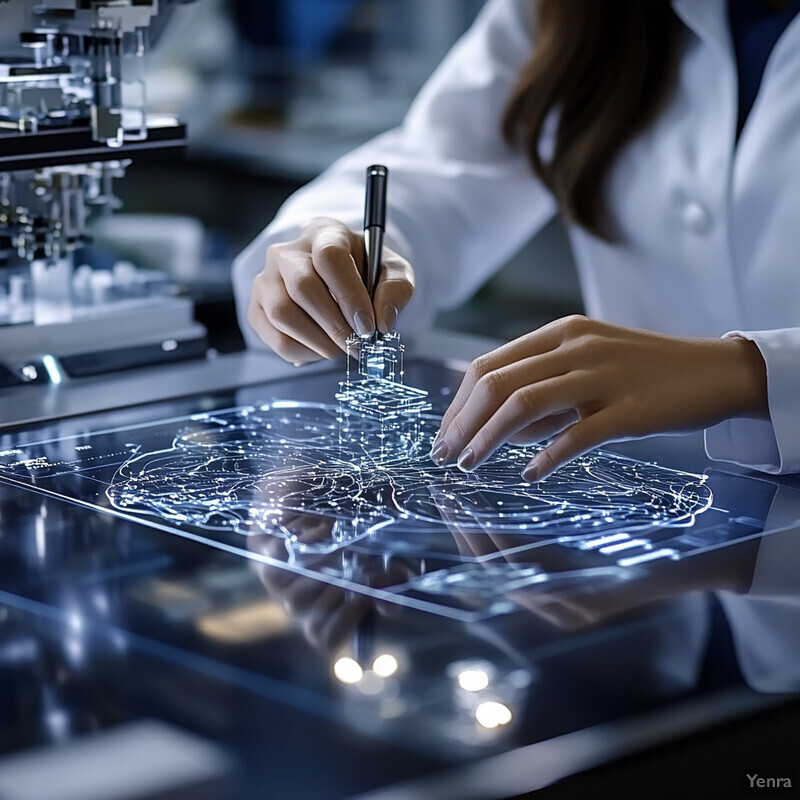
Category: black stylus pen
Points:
column 374, row 225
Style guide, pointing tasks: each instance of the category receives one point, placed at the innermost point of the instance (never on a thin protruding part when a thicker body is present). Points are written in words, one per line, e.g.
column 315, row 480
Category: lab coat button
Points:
column 697, row 218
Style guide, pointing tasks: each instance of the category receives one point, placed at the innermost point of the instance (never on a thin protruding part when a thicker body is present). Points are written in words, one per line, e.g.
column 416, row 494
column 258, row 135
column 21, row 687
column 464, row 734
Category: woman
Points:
column 639, row 122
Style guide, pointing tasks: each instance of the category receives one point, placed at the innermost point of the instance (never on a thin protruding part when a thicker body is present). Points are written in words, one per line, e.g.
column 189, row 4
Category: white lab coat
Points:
column 711, row 228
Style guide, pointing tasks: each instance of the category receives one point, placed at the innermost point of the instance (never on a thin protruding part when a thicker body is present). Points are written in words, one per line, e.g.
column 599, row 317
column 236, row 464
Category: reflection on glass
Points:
column 242, row 469
column 492, row 714
column 332, row 493
column 473, row 680
column 348, row 670
column 385, row 665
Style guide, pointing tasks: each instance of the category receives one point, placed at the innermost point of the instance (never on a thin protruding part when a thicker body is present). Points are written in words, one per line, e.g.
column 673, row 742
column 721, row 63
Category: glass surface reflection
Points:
column 108, row 615
column 255, row 469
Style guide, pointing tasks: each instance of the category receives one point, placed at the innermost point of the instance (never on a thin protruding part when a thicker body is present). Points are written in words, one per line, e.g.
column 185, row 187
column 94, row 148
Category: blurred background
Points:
column 271, row 99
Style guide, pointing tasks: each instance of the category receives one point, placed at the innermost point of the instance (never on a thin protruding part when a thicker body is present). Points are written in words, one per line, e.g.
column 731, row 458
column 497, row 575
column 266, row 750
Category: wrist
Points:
column 748, row 379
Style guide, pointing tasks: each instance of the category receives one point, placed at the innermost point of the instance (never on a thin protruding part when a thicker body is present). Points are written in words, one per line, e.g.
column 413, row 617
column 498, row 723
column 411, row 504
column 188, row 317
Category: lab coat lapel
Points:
column 765, row 206
column 709, row 20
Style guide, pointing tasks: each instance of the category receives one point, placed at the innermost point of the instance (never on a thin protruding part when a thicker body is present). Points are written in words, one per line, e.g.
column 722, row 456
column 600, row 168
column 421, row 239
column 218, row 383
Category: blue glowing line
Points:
column 52, row 368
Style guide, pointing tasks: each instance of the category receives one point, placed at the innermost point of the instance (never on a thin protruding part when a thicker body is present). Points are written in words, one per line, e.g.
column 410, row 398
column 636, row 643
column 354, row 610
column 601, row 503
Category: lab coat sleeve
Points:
column 768, row 445
column 460, row 200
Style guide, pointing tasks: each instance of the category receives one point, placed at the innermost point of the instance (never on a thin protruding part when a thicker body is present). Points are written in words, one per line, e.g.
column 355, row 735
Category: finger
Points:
column 442, row 450
column 470, row 539
column 274, row 548
column 576, row 440
column 483, row 544
column 508, row 399
column 266, row 544
column 333, row 628
column 493, row 390
column 523, row 407
column 285, row 346
column 333, row 259
column 544, row 428
column 293, row 322
column 312, row 529
column 299, row 596
column 327, row 605
column 305, row 287
column 462, row 542
column 393, row 292
column 554, row 611
column 446, row 506
column 541, row 342
column 477, row 369
column 275, row 579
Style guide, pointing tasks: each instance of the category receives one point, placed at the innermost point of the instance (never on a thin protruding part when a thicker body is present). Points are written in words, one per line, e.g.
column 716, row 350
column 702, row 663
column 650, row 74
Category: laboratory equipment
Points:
column 73, row 114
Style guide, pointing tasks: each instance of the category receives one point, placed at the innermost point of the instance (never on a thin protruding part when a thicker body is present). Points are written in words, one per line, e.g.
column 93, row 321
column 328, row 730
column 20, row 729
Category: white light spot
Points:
column 347, row 670
column 385, row 665
column 473, row 680
column 492, row 714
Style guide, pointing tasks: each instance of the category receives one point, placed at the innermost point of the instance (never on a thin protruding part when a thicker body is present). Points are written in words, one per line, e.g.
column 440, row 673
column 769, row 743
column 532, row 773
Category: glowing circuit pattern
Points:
column 347, row 493
column 249, row 469
column 373, row 389
column 364, row 465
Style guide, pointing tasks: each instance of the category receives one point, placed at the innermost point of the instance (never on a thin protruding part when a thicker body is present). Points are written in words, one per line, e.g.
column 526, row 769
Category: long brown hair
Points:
column 607, row 67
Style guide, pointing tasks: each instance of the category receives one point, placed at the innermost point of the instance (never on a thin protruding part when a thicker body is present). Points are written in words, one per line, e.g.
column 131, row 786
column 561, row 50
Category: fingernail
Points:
column 466, row 460
column 531, row 472
column 440, row 452
column 363, row 322
column 390, row 317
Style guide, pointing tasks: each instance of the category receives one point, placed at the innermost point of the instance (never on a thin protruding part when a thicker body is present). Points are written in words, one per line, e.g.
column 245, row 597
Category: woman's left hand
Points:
column 587, row 382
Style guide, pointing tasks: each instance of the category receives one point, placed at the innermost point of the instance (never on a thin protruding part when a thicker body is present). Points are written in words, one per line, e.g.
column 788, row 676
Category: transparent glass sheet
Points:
column 318, row 488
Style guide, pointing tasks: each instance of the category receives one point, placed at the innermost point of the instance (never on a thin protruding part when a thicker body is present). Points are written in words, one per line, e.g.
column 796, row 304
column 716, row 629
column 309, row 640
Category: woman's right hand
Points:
column 310, row 296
